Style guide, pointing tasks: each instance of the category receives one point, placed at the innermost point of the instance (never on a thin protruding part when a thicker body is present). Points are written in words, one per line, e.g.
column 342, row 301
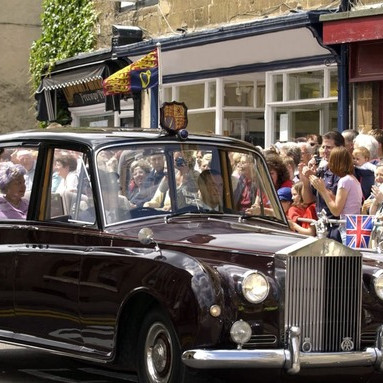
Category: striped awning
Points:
column 72, row 77
column 46, row 93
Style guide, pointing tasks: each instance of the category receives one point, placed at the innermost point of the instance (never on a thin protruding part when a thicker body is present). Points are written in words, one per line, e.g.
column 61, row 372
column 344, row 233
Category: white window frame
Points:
column 99, row 110
column 219, row 108
column 271, row 105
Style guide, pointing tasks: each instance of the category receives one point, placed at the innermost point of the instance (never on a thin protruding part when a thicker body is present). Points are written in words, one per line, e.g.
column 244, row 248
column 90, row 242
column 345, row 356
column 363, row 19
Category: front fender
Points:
column 184, row 287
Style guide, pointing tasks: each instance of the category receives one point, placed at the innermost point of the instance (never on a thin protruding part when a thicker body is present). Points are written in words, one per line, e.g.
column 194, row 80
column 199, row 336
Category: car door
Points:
column 15, row 160
column 48, row 261
column 46, row 291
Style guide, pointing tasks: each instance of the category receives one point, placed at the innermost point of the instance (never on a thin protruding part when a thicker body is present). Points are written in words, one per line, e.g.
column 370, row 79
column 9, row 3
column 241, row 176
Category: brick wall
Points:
column 194, row 15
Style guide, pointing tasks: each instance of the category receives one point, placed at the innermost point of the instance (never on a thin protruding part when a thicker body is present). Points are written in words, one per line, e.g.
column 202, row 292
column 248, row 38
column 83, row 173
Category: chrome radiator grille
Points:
column 323, row 299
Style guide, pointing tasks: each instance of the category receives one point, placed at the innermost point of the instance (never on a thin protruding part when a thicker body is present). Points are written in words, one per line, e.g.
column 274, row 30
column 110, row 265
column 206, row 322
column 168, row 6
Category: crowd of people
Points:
column 340, row 173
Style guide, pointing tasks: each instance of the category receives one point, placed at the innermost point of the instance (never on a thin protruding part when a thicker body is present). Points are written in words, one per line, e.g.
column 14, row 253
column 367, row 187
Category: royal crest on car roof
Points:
column 173, row 116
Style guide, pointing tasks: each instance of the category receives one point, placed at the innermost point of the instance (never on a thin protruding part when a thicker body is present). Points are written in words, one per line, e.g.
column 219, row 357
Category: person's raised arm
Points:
column 304, row 174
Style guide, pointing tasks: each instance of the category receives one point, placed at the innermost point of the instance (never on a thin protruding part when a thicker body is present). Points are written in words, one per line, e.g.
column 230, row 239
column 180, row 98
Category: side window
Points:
column 244, row 180
column 71, row 189
column 17, row 170
column 252, row 189
column 132, row 180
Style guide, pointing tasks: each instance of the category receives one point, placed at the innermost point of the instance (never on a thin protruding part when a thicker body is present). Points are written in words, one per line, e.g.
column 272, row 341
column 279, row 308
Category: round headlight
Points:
column 255, row 287
column 378, row 284
column 240, row 332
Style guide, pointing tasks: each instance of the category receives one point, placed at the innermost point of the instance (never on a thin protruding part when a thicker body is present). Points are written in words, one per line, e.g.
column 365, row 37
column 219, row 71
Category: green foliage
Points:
column 67, row 29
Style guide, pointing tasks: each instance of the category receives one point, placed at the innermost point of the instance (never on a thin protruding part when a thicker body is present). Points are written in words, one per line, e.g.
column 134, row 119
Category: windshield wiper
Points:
column 192, row 210
column 245, row 216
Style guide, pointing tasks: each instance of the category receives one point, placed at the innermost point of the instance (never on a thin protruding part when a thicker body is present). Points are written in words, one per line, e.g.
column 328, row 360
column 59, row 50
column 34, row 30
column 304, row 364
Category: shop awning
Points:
column 72, row 77
column 78, row 77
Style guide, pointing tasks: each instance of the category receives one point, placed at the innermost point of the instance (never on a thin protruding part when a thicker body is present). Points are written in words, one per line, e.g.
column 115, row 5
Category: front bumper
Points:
column 291, row 359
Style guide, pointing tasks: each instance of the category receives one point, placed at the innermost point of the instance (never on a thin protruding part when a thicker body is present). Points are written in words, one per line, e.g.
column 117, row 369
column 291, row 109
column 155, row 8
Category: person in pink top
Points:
column 349, row 195
column 13, row 205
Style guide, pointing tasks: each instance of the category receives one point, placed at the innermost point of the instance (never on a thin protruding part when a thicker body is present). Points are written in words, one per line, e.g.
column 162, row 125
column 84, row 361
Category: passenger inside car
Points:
column 245, row 190
column 66, row 166
column 138, row 192
column 186, row 184
column 116, row 206
column 210, row 190
column 13, row 204
column 157, row 172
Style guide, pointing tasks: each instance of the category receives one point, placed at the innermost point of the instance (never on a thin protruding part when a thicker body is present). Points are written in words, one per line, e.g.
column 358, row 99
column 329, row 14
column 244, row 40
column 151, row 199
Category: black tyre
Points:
column 159, row 354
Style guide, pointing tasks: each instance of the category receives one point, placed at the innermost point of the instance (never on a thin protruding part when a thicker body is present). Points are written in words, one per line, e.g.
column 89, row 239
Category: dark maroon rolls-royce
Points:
column 137, row 250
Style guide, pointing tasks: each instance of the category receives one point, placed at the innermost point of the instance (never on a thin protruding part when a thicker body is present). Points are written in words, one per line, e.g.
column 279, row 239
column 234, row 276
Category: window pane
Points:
column 333, row 83
column 278, row 87
column 247, row 126
column 93, row 121
column 71, row 191
column 201, row 123
column 192, row 95
column 17, row 169
column 305, row 85
column 212, row 94
column 239, row 93
column 167, row 94
column 260, row 96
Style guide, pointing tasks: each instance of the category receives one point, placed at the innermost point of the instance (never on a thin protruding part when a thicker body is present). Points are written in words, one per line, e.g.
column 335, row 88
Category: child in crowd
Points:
column 361, row 158
column 285, row 197
column 301, row 210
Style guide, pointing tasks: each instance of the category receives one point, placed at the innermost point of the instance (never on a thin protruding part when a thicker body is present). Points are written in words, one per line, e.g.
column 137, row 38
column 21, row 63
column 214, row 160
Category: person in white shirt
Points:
column 66, row 167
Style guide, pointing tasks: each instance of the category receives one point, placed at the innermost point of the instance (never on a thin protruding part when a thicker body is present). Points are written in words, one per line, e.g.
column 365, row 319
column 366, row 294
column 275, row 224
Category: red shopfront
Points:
column 362, row 32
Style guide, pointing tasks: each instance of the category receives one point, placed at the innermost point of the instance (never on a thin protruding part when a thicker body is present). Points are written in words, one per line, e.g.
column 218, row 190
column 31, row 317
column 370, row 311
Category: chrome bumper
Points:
column 290, row 359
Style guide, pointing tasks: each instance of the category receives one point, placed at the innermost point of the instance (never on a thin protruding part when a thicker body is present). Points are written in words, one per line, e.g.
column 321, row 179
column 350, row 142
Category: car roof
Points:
column 96, row 137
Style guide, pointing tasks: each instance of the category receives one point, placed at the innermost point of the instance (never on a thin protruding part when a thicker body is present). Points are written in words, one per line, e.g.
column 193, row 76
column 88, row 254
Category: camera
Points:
column 317, row 160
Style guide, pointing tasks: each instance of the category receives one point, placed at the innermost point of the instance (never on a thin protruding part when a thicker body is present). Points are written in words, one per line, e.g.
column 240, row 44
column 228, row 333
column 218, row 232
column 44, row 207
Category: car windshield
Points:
column 139, row 181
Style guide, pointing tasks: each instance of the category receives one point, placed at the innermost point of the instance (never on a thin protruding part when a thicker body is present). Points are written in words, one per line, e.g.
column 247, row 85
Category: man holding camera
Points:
column 329, row 141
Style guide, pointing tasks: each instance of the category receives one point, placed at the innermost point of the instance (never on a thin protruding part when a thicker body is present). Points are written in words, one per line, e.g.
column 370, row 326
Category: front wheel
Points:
column 159, row 354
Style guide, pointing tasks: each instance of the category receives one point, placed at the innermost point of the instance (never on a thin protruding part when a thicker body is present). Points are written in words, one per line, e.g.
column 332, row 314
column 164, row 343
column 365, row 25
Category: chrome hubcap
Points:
column 158, row 353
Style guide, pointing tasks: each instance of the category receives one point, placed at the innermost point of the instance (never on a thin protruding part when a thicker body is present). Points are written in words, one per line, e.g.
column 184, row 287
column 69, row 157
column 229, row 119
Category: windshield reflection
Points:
column 140, row 181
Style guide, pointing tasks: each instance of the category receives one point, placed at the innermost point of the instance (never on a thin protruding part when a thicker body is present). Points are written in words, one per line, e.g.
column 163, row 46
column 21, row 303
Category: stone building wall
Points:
column 19, row 27
column 192, row 15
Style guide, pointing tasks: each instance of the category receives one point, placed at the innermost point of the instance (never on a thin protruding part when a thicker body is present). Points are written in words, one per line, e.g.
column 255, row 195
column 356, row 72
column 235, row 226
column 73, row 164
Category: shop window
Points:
column 333, row 83
column 247, row 126
column 212, row 96
column 192, row 95
column 305, row 85
column 277, row 87
column 291, row 123
column 240, row 93
column 260, row 99
column 300, row 102
column 201, row 123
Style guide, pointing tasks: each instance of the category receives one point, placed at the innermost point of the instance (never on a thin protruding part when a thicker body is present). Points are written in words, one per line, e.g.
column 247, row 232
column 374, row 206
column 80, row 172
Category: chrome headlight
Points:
column 255, row 287
column 378, row 283
column 240, row 332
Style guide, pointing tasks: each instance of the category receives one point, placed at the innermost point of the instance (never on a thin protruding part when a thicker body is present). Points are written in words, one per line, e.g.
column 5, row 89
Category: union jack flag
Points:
column 358, row 230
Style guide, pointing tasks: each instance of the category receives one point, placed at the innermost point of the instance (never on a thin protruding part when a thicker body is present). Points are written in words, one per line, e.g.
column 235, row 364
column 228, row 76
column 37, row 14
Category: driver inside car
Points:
column 210, row 185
